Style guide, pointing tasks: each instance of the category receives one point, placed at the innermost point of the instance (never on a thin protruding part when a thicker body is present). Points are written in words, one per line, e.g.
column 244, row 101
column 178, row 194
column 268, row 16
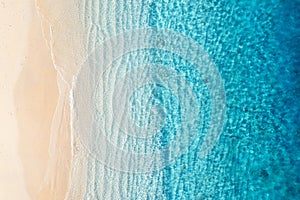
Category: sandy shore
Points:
column 29, row 101
column 14, row 26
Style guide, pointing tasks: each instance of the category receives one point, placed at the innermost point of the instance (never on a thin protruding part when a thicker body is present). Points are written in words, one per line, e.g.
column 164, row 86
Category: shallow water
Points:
column 136, row 93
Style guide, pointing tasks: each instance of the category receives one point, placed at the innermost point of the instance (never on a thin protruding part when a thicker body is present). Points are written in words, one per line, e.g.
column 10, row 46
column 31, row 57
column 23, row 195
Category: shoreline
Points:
column 44, row 147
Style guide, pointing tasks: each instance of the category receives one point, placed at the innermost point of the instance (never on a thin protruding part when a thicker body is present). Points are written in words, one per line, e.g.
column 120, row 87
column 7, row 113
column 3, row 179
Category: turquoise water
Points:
column 255, row 48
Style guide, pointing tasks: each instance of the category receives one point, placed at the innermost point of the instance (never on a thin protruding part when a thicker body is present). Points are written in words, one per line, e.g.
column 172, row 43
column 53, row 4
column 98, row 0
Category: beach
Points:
column 149, row 99
column 29, row 169
column 15, row 18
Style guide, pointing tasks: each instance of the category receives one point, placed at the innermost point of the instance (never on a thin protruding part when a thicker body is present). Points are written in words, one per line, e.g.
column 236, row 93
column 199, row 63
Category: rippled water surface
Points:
column 197, row 100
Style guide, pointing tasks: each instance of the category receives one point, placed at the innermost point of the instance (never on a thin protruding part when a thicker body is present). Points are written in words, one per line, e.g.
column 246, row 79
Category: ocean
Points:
column 190, row 99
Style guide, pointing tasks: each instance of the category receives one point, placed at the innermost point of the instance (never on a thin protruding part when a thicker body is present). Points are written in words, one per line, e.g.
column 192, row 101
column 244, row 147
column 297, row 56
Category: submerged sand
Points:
column 43, row 45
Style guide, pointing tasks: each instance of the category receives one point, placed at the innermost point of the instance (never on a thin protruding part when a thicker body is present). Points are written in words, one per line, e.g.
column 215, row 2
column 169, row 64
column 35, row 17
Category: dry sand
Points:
column 14, row 26
column 29, row 99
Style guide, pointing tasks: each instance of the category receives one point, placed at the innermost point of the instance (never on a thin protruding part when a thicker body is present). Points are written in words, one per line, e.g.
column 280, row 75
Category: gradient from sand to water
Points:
column 61, row 33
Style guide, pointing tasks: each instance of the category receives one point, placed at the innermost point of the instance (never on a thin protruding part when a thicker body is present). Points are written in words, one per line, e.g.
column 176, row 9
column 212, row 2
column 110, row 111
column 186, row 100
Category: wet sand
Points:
column 46, row 171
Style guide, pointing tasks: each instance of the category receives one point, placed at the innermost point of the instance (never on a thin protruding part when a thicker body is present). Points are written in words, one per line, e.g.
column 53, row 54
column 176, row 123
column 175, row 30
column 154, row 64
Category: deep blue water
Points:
column 256, row 48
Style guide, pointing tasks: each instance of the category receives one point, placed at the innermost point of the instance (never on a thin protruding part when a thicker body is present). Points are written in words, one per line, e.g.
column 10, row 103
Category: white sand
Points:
column 15, row 17
column 28, row 101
